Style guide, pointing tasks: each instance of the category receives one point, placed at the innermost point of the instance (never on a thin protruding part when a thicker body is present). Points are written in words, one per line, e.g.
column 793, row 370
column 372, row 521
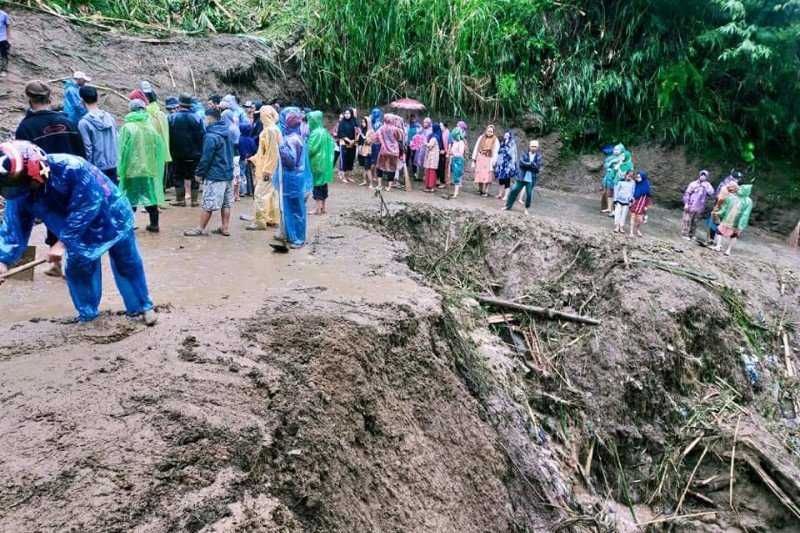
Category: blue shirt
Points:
column 4, row 22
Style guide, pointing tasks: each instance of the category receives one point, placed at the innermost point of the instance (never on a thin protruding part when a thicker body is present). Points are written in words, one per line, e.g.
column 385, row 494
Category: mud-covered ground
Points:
column 351, row 387
column 50, row 49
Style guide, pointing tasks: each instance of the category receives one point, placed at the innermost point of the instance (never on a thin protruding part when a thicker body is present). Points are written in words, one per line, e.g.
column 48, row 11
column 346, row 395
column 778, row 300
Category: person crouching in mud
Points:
column 89, row 215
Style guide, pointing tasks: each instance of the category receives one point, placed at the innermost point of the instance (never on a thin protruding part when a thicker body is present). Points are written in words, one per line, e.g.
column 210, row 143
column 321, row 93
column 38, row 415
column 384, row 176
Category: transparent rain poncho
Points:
column 142, row 154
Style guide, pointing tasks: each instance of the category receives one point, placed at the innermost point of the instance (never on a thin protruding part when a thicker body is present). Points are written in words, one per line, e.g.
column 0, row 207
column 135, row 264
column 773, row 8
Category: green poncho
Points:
column 735, row 211
column 320, row 146
column 161, row 124
column 141, row 160
column 617, row 166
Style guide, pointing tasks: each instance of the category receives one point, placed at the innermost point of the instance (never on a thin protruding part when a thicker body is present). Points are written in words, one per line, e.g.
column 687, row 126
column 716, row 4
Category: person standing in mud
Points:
column 641, row 202
column 186, row 134
column 215, row 168
column 694, row 204
column 292, row 181
column 484, row 157
column 142, row 153
column 90, row 217
column 53, row 132
column 5, row 42
column 530, row 164
column 734, row 217
column 266, row 202
column 320, row 153
column 73, row 105
column 98, row 129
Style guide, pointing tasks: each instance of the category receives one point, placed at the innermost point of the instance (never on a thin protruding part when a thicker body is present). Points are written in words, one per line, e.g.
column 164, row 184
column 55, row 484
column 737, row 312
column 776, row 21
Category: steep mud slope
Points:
column 49, row 49
column 690, row 376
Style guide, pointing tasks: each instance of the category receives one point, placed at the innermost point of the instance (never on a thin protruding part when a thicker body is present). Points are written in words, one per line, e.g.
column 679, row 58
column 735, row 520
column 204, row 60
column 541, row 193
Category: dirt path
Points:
column 112, row 426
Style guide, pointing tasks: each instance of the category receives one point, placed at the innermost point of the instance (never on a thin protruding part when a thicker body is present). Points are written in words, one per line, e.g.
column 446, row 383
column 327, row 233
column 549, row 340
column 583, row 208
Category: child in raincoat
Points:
column 142, row 155
column 623, row 197
column 265, row 198
column 734, row 217
column 320, row 147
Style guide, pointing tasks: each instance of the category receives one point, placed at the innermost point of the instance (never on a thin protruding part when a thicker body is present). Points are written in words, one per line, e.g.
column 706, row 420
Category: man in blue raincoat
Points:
column 86, row 211
column 73, row 105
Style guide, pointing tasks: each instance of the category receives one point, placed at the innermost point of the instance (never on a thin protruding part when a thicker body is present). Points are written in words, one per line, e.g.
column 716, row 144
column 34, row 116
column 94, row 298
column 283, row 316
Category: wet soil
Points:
column 344, row 387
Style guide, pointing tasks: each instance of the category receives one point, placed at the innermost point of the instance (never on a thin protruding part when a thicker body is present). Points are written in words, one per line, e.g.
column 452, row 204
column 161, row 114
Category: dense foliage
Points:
column 707, row 73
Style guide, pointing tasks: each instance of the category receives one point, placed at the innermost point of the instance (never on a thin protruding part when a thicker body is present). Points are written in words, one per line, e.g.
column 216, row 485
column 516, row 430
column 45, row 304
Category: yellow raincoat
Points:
column 265, row 198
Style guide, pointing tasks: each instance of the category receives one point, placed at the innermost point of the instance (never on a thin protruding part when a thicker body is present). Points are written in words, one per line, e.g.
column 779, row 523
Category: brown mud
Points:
column 357, row 385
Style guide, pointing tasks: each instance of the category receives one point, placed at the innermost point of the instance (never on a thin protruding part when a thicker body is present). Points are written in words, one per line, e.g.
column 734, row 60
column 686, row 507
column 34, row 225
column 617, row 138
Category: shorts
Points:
column 505, row 182
column 364, row 161
column 217, row 195
column 320, row 192
column 388, row 174
column 5, row 46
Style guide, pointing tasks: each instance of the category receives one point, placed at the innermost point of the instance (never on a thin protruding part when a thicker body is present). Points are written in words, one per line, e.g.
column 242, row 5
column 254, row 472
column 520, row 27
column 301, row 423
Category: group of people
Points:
column 726, row 209
column 387, row 148
column 84, row 175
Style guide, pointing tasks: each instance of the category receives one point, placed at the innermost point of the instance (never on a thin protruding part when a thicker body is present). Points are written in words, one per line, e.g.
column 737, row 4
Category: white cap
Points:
column 80, row 75
column 146, row 87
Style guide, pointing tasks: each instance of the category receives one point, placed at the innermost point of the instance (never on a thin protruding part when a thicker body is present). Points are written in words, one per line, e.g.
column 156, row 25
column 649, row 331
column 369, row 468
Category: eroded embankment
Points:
column 636, row 417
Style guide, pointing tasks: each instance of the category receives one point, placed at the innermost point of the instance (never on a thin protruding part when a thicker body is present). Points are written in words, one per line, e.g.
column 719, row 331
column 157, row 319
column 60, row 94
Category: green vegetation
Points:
column 720, row 74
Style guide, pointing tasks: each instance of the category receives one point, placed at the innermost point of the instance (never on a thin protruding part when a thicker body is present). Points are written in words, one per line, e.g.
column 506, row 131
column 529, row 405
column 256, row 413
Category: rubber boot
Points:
column 153, row 212
column 180, row 198
column 195, row 203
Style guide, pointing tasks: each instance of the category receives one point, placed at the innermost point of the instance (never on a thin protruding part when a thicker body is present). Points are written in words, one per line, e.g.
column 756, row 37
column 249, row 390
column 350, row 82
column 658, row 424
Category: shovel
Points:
column 22, row 268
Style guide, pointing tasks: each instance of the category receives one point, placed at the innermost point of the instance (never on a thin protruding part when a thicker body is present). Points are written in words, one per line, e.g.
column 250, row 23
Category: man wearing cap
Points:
column 186, row 133
column 73, row 106
column 53, row 132
column 90, row 217
column 171, row 105
column 98, row 129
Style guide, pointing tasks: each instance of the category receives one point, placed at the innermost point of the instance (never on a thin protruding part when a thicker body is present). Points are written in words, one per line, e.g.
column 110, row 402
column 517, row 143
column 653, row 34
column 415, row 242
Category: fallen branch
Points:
column 675, row 517
column 169, row 71
column 691, row 478
column 733, row 460
column 542, row 312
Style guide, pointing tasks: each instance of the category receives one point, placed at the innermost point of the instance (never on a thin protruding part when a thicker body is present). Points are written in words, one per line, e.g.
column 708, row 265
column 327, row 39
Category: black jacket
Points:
column 52, row 132
column 185, row 136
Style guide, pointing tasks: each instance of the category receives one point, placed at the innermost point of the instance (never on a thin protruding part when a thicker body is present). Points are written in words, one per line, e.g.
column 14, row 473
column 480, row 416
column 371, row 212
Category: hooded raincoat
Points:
column 142, row 154
column 697, row 194
column 291, row 179
column 617, row 166
column 735, row 212
column 507, row 166
column 161, row 125
column 90, row 216
column 73, row 105
column 98, row 130
column 320, row 150
column 265, row 198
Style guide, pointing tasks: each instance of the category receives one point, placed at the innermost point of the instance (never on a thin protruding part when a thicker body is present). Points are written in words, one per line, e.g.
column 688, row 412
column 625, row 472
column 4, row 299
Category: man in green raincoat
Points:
column 142, row 154
column 734, row 217
column 320, row 147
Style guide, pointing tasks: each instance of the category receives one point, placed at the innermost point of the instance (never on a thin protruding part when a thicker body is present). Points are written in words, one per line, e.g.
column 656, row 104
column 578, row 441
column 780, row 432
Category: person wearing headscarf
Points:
column 734, row 217
column 464, row 129
column 346, row 136
column 617, row 166
column 411, row 131
column 229, row 101
column 530, row 164
column 266, row 202
column 433, row 149
column 443, row 172
column 641, row 202
column 364, row 144
column 456, row 152
column 418, row 143
column 231, row 122
column 320, row 153
column 721, row 193
column 695, row 198
column 158, row 117
column 507, row 165
column 142, row 154
column 484, row 157
column 292, row 181
column 389, row 137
